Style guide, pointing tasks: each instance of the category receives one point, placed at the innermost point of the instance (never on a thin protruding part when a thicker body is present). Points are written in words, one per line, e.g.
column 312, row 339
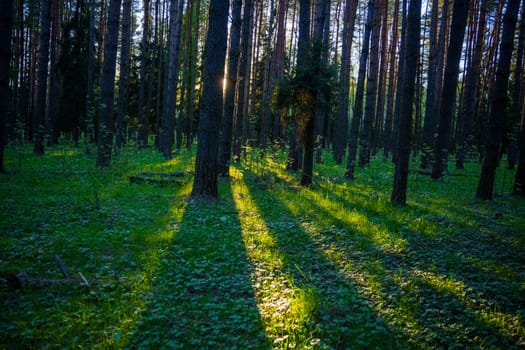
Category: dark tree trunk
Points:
column 519, row 182
column 172, row 73
column 231, row 82
column 471, row 88
column 125, row 61
column 143, row 114
column 341, row 124
column 389, row 115
column 39, row 118
column 398, row 196
column 211, row 106
column 381, row 91
column 107, row 92
column 371, row 88
column 358, row 104
column 278, row 61
column 90, row 103
column 450, row 81
column 6, row 22
column 498, row 104
column 54, row 77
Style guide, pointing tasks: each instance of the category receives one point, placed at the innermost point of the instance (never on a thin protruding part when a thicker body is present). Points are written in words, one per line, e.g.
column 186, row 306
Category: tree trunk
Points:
column 450, row 81
column 125, row 61
column 371, row 88
column 358, row 104
column 389, row 115
column 498, row 104
column 143, row 114
column 39, row 123
column 90, row 103
column 6, row 23
column 471, row 88
column 398, row 196
column 231, row 82
column 381, row 91
column 205, row 181
column 341, row 124
column 519, row 182
column 172, row 74
column 54, row 77
column 107, row 92
column 278, row 61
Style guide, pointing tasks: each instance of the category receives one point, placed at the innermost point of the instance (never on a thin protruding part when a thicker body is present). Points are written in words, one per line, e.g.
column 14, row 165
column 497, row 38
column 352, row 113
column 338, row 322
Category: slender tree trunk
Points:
column 229, row 98
column 371, row 88
column 278, row 61
column 398, row 196
column 6, row 23
column 389, row 115
column 450, row 82
column 90, row 103
column 341, row 124
column 107, row 92
column 205, row 181
column 143, row 115
column 125, row 62
column 190, row 110
column 381, row 92
column 498, row 104
column 54, row 78
column 172, row 73
column 471, row 87
column 39, row 123
column 358, row 104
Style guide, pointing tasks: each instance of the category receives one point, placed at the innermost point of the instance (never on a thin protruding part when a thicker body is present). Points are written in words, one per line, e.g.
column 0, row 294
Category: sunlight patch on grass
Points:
column 285, row 308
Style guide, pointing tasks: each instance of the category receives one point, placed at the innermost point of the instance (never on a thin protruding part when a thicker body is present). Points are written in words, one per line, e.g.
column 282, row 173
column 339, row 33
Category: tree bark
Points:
column 229, row 98
column 358, row 104
column 498, row 104
column 341, row 124
column 450, row 81
column 6, row 23
column 143, row 114
column 39, row 118
column 125, row 62
column 211, row 107
column 107, row 92
column 90, row 103
column 398, row 196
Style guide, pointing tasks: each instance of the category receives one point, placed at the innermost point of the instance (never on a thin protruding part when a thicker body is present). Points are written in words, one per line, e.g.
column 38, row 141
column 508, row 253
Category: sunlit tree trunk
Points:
column 107, row 92
column 450, row 81
column 498, row 104
column 398, row 196
column 211, row 106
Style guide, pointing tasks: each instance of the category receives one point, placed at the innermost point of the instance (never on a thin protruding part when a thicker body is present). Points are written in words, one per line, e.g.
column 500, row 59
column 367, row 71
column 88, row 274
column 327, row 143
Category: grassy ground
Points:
column 268, row 265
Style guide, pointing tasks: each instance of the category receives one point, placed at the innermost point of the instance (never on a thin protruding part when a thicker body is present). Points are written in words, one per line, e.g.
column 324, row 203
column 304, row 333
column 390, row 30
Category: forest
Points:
column 262, row 174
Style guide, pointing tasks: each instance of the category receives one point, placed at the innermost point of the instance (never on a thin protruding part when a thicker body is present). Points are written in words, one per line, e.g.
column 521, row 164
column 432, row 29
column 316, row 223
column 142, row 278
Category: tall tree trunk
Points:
column 143, row 114
column 205, row 180
column 389, row 115
column 381, row 92
column 341, row 124
column 498, row 104
column 125, row 62
column 39, row 123
column 229, row 96
column 190, row 110
column 471, row 87
column 172, row 74
column 243, row 68
column 107, row 92
column 358, row 104
column 54, row 78
column 371, row 88
column 278, row 61
column 90, row 103
column 450, row 81
column 398, row 196
column 6, row 23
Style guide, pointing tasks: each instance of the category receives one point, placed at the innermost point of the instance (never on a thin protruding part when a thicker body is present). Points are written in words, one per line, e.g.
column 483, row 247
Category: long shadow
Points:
column 449, row 303
column 203, row 298
column 344, row 317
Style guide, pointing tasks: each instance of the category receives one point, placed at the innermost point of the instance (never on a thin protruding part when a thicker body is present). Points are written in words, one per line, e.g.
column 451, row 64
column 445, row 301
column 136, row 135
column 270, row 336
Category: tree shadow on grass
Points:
column 203, row 296
column 423, row 285
column 342, row 317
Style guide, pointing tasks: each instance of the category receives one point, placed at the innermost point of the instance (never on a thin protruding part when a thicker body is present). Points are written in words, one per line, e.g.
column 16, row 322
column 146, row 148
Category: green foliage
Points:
column 268, row 265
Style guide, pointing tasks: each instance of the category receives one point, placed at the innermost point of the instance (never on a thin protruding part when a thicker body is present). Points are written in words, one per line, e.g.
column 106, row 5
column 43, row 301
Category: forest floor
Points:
column 268, row 265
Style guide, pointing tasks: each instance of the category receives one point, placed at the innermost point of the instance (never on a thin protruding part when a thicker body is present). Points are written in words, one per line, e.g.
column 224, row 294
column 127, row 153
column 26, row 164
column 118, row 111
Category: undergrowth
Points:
column 267, row 265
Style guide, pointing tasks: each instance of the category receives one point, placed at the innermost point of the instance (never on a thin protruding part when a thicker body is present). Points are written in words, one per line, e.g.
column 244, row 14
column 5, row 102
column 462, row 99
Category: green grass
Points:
column 268, row 265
